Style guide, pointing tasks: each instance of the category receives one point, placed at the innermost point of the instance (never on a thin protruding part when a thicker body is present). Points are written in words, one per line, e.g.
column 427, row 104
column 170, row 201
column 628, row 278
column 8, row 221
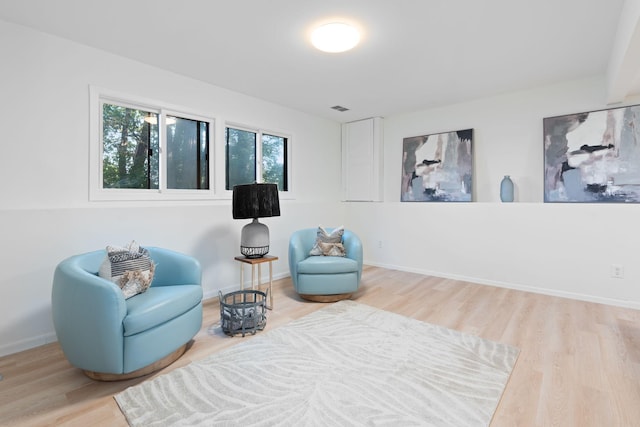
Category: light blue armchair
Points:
column 113, row 338
column 324, row 278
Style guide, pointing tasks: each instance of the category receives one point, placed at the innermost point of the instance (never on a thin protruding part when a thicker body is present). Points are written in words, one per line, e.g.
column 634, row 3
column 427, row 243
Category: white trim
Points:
column 518, row 287
column 264, row 280
column 28, row 343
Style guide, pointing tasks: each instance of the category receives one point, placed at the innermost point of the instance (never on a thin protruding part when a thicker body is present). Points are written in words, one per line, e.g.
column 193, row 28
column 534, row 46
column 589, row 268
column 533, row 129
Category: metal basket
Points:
column 243, row 312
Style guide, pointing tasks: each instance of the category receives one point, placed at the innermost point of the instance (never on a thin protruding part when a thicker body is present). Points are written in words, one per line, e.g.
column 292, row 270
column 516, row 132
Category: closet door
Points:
column 362, row 160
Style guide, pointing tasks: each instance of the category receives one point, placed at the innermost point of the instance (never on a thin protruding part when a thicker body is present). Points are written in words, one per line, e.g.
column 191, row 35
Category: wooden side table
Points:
column 253, row 262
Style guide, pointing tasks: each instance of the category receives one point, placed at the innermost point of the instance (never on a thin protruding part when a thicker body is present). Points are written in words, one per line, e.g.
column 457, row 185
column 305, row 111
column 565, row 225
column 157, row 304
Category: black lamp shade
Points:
column 255, row 201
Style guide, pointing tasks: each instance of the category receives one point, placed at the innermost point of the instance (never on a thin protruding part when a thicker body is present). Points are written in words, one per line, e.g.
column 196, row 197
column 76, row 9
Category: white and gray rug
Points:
column 346, row 364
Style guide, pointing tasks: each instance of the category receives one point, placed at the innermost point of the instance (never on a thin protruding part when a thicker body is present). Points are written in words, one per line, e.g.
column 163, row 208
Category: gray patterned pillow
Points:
column 130, row 267
column 328, row 244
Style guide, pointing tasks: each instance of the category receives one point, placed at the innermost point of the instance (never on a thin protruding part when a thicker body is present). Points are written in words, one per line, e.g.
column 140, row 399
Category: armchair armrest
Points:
column 297, row 248
column 353, row 248
column 174, row 268
column 300, row 243
column 296, row 254
column 87, row 314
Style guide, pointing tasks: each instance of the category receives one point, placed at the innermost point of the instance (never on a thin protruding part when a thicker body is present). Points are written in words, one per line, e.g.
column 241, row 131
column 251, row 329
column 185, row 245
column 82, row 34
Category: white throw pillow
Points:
column 328, row 244
column 130, row 267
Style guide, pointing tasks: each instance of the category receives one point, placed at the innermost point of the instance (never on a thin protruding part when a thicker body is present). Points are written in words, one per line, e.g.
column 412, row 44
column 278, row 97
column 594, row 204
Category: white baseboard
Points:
column 29, row 343
column 247, row 285
column 519, row 287
column 26, row 344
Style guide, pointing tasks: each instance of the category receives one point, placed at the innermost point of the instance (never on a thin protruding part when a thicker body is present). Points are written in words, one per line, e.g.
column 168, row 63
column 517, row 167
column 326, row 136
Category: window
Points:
column 255, row 156
column 129, row 141
column 147, row 151
column 187, row 153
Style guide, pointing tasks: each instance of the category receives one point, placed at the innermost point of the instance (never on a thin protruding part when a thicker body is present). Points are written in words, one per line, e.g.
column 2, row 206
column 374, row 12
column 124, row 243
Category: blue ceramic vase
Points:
column 506, row 189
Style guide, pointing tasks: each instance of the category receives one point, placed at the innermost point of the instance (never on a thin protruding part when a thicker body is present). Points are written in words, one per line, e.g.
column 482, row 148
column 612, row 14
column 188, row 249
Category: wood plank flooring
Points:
column 579, row 363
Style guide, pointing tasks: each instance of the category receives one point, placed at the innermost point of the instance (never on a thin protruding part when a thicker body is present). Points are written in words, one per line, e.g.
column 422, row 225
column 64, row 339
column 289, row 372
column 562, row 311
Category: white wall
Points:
column 559, row 249
column 45, row 215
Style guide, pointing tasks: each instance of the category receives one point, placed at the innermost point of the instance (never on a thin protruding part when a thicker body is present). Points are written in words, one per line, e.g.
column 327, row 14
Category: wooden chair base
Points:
column 155, row 366
column 326, row 298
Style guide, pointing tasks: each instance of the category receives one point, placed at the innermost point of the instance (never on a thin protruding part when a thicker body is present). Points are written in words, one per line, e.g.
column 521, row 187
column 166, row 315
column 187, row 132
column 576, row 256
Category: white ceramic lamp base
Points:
column 254, row 240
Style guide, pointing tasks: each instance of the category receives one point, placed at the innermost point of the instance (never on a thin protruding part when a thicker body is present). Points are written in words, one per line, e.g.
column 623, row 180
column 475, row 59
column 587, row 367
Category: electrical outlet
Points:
column 379, row 244
column 617, row 271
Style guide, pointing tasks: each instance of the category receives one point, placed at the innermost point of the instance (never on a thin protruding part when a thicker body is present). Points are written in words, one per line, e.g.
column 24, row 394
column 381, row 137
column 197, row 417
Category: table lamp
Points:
column 255, row 201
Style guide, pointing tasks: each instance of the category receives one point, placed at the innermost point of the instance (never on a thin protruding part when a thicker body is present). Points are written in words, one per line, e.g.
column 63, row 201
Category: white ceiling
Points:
column 415, row 54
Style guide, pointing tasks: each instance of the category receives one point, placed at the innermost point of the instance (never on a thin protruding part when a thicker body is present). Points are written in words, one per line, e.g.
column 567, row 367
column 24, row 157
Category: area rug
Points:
column 347, row 364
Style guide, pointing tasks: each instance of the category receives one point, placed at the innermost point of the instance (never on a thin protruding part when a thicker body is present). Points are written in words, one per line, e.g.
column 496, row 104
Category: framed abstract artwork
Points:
column 593, row 157
column 438, row 167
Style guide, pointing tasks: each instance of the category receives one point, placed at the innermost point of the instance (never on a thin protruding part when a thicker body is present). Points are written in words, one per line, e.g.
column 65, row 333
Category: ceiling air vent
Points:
column 339, row 108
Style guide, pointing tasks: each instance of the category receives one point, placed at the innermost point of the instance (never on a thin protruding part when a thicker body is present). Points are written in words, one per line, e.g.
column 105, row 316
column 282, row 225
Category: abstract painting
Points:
column 438, row 167
column 593, row 157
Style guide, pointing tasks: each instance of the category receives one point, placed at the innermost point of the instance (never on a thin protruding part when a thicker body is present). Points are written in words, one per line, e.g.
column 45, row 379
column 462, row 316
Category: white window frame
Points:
column 288, row 194
column 98, row 96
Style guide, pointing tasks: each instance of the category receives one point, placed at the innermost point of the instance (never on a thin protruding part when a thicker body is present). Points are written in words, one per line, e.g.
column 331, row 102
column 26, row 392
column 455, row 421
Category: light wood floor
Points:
column 579, row 363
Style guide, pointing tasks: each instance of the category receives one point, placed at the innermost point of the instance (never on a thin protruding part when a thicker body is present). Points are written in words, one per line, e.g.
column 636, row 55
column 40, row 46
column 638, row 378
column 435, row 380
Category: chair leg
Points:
column 146, row 370
column 326, row 298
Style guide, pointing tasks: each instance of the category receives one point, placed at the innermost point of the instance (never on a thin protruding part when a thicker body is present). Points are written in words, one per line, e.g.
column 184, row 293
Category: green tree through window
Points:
column 131, row 150
column 187, row 140
column 240, row 157
column 274, row 165
column 130, row 139
column 243, row 158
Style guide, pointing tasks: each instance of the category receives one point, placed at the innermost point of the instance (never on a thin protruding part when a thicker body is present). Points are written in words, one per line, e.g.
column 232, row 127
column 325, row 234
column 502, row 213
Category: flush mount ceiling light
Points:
column 335, row 37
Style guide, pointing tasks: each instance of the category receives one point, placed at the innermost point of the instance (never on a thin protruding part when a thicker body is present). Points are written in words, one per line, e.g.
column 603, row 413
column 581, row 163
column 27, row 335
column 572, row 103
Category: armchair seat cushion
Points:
column 159, row 305
column 327, row 265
